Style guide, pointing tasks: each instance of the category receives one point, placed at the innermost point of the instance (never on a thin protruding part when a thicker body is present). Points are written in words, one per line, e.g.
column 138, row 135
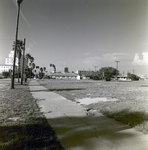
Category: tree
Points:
column 28, row 56
column 41, row 69
column 30, row 64
column 19, row 48
column 52, row 65
column 54, row 68
column 94, row 75
column 41, row 74
column 16, row 36
column 30, row 61
column 108, row 72
column 33, row 65
column 133, row 77
column 44, row 68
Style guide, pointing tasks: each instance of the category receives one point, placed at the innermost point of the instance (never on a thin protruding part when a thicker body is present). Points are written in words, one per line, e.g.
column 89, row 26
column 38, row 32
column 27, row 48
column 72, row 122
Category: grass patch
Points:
column 131, row 107
column 22, row 125
column 127, row 112
column 142, row 127
column 125, row 116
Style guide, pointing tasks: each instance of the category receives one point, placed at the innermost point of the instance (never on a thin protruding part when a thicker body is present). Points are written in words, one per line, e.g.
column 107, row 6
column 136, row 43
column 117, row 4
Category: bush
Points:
column 133, row 77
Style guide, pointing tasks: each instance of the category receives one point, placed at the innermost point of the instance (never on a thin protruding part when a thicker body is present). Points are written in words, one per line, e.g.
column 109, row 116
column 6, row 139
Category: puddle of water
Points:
column 87, row 101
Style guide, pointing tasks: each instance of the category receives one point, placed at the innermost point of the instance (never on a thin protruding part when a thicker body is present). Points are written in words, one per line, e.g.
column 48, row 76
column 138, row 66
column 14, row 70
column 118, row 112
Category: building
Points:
column 5, row 68
column 8, row 65
column 63, row 76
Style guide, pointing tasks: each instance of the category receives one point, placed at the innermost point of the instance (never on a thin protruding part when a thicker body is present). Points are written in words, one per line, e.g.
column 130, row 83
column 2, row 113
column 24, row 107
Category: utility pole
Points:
column 117, row 63
column 95, row 68
column 14, row 58
column 23, row 61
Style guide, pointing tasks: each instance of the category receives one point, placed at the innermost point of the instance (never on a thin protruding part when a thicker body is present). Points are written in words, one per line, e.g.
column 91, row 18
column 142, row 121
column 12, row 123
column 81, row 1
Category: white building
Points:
column 63, row 76
column 8, row 63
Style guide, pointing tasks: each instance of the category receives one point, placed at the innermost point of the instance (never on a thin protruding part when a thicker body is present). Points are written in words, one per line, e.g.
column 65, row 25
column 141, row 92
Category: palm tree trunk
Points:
column 19, row 71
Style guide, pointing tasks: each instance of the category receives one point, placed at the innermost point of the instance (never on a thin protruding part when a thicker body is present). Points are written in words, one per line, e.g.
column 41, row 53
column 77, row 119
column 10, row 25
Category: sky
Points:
column 79, row 34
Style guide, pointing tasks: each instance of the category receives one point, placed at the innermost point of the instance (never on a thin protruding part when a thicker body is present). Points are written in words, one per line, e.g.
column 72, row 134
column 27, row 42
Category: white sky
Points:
column 79, row 34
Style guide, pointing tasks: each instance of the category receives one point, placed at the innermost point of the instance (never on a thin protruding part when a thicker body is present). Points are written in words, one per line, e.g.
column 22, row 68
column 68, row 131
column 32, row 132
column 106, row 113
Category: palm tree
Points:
column 19, row 49
column 33, row 65
column 44, row 68
column 16, row 36
column 41, row 73
column 30, row 61
column 54, row 68
column 50, row 67
column 28, row 56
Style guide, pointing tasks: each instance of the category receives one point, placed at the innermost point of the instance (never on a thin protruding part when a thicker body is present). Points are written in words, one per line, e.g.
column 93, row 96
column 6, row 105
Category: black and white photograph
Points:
column 73, row 74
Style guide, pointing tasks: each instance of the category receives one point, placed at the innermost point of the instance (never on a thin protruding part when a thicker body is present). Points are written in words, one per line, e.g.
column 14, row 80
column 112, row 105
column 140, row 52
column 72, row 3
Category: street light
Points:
column 14, row 58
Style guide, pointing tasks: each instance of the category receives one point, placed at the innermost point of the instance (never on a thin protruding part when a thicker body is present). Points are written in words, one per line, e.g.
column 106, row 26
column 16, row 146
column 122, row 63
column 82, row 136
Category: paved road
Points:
column 78, row 131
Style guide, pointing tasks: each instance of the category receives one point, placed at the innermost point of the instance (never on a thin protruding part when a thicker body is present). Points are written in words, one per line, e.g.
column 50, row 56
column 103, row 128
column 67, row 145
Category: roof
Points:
column 63, row 74
column 121, row 76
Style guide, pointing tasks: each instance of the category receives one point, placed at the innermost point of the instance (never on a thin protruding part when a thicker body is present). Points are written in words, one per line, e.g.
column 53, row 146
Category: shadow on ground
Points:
column 35, row 136
column 85, row 131
column 52, row 90
column 127, row 117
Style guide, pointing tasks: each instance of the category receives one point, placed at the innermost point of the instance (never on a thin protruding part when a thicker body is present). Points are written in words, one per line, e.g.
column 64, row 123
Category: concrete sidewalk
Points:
column 78, row 130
